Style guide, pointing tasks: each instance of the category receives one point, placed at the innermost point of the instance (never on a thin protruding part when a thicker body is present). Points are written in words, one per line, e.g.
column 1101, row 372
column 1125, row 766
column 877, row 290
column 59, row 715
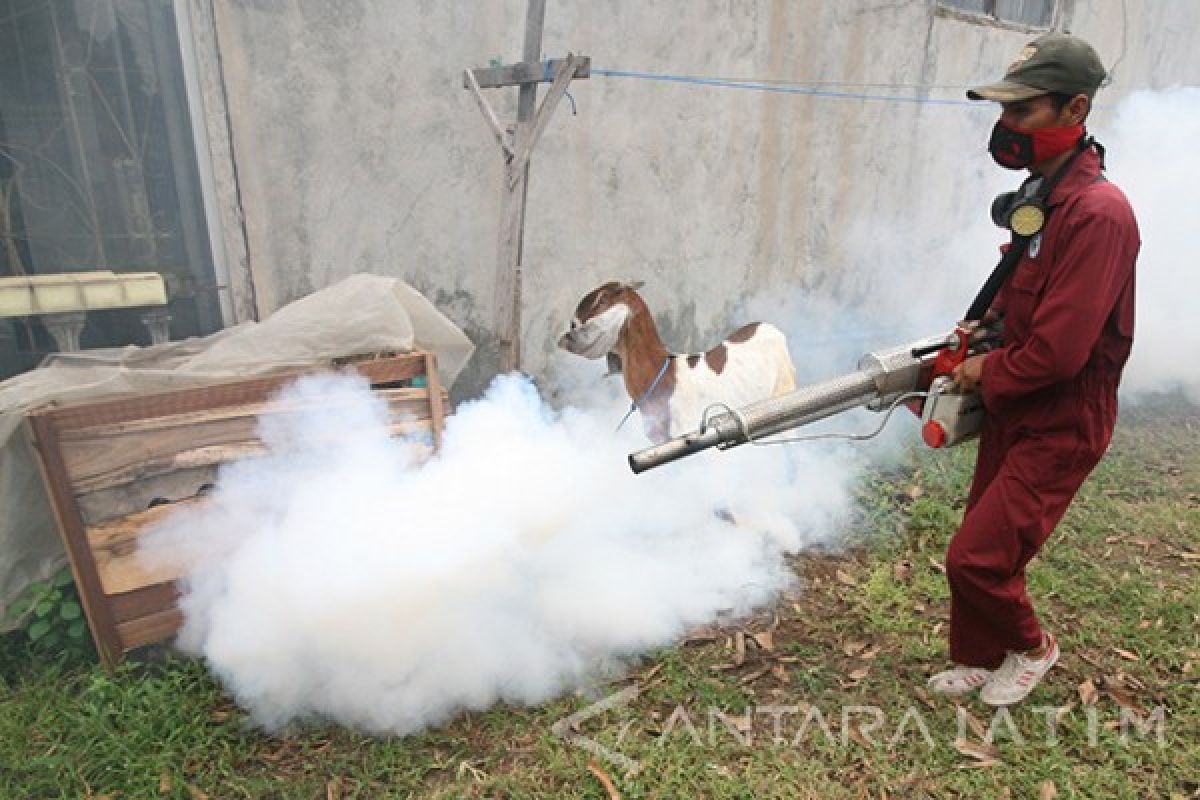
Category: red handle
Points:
column 950, row 357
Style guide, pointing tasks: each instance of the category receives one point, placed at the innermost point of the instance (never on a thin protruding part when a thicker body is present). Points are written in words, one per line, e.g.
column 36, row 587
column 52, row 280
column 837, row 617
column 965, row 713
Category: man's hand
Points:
column 969, row 374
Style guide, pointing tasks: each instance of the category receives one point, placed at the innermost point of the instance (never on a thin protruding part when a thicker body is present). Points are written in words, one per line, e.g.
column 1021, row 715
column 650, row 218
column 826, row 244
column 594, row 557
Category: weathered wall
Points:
column 357, row 149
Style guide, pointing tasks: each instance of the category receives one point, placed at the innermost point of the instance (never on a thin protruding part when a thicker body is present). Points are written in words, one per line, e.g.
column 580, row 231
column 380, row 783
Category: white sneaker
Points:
column 1016, row 677
column 958, row 681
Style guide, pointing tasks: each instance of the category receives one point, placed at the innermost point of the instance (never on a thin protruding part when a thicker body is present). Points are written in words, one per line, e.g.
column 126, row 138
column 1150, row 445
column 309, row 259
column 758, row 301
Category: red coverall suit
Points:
column 1050, row 392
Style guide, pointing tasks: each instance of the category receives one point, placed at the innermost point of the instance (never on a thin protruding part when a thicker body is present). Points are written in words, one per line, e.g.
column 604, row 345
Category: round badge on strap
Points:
column 1027, row 219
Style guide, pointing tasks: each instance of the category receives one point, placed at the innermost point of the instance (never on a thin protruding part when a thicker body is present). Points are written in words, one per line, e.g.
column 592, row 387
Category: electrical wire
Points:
column 779, row 87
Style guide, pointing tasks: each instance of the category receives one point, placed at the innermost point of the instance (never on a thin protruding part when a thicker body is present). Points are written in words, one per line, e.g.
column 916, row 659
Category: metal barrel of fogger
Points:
column 879, row 376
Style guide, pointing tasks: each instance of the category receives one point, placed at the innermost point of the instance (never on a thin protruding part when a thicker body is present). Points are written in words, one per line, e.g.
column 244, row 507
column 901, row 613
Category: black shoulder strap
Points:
column 983, row 300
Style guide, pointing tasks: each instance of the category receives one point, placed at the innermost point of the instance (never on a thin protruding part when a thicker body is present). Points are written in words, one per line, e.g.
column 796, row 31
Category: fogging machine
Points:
column 918, row 373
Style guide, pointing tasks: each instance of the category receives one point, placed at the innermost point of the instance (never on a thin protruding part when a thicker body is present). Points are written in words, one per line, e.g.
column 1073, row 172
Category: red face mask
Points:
column 1016, row 148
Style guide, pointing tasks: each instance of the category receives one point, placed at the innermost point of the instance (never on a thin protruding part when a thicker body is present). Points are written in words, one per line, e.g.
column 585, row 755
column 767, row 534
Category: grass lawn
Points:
column 821, row 697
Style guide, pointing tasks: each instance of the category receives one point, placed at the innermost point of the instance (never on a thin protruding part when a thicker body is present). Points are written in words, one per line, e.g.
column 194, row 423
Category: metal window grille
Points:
column 97, row 165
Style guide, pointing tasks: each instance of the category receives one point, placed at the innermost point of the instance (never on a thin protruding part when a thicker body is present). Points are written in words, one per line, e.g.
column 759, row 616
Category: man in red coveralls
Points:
column 1050, row 389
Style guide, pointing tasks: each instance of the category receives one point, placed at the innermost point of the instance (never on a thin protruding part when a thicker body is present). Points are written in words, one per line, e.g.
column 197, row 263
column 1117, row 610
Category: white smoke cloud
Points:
column 1151, row 141
column 340, row 578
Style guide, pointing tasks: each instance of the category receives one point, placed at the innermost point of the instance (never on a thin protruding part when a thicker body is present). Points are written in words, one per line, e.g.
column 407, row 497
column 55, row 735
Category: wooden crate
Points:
column 112, row 468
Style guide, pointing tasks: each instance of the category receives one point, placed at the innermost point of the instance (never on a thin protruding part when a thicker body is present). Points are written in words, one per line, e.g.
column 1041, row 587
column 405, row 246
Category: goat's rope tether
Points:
column 636, row 404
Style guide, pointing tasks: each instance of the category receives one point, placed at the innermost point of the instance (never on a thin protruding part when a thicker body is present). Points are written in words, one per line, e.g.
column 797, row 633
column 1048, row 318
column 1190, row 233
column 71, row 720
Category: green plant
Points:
column 55, row 623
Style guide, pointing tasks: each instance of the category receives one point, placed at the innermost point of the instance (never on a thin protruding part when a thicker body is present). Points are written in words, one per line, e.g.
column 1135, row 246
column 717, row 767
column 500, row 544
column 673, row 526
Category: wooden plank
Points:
column 525, row 72
column 111, row 503
column 413, row 400
column 108, row 471
column 149, row 629
column 70, row 526
column 143, row 602
column 387, row 370
column 489, row 115
column 437, row 412
column 114, row 549
column 104, row 456
column 562, row 80
column 507, row 312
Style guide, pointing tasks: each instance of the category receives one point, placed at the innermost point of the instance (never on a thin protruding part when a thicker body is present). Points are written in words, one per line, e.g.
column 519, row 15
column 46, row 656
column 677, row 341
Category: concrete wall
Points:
column 356, row 149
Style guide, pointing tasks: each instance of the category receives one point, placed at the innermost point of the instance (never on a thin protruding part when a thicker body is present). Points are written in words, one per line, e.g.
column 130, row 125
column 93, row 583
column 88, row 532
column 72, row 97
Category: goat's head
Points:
column 599, row 319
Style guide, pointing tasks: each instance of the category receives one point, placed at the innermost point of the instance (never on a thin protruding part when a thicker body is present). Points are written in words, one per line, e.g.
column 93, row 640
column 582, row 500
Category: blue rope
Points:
column 770, row 87
column 637, row 403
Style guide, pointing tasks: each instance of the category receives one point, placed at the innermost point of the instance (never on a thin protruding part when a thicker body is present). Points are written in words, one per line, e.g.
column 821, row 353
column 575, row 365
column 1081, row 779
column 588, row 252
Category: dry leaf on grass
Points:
column 765, row 640
column 751, row 677
column 846, row 578
column 1122, row 678
column 1087, row 693
column 164, row 782
column 853, row 648
column 739, row 648
column 939, row 566
column 924, row 697
column 467, row 768
column 195, row 793
column 650, row 673
column 1127, row 654
column 985, row 755
column 857, row 736
column 902, row 571
column 1124, row 699
column 605, row 781
column 860, row 673
column 1047, row 791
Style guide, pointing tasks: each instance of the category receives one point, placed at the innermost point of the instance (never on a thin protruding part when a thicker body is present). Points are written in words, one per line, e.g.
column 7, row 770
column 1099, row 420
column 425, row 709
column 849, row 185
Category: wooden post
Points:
column 512, row 232
column 516, row 147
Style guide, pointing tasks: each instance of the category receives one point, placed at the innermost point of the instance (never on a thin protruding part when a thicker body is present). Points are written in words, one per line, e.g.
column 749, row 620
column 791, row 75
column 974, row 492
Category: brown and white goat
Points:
column 751, row 364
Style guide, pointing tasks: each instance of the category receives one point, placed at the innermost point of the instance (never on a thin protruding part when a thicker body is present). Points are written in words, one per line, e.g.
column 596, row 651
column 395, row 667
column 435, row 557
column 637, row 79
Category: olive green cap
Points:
column 1055, row 62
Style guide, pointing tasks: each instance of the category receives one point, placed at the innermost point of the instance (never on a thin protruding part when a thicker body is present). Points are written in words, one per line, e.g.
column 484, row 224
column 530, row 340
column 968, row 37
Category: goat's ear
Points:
column 636, row 285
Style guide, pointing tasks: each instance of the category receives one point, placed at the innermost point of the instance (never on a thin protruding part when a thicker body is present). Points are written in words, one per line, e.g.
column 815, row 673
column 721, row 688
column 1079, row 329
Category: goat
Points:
column 672, row 390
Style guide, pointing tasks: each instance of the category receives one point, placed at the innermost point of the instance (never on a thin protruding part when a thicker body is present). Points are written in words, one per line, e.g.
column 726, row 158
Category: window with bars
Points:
column 1031, row 13
column 97, row 165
